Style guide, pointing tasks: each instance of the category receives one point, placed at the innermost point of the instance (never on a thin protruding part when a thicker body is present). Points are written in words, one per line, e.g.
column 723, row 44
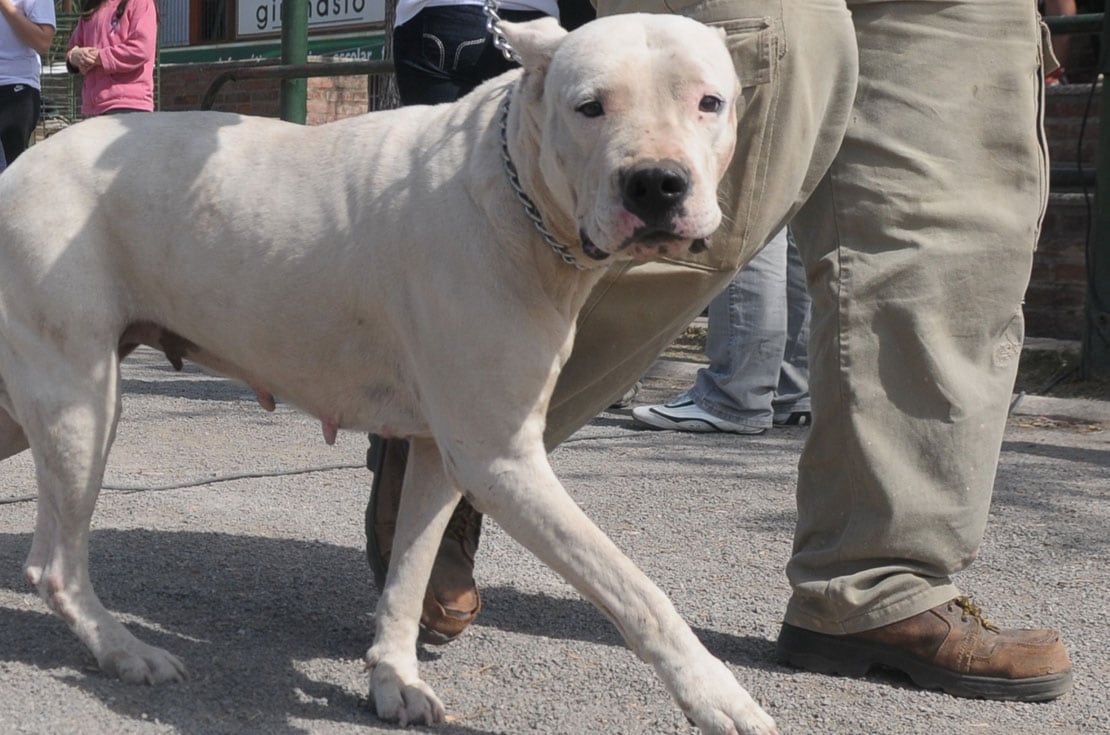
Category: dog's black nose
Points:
column 652, row 189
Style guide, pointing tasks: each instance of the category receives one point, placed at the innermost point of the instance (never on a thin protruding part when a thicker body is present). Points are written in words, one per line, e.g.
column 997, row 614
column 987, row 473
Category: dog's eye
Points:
column 709, row 103
column 592, row 108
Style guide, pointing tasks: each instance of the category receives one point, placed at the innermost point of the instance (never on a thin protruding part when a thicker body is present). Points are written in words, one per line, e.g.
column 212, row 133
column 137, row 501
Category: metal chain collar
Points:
column 501, row 43
column 493, row 25
column 529, row 206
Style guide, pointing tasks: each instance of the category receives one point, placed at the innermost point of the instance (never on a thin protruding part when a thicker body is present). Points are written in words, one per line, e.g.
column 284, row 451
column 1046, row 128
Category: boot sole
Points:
column 829, row 654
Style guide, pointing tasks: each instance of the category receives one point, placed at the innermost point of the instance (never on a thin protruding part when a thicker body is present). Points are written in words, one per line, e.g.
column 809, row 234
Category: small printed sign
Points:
column 263, row 17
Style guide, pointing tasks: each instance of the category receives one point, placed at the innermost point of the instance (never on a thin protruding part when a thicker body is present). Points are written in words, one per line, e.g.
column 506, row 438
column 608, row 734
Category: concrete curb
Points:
column 1076, row 409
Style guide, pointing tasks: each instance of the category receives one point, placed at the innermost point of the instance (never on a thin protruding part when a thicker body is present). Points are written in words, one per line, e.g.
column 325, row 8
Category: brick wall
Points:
column 1056, row 296
column 184, row 85
column 334, row 98
column 328, row 98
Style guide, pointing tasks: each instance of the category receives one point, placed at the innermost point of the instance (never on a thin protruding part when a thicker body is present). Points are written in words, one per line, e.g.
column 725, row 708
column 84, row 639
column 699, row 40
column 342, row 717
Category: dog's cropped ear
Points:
column 535, row 40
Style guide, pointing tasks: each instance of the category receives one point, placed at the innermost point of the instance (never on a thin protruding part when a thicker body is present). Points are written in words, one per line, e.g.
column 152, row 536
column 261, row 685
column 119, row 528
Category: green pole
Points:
column 294, row 50
column 1096, row 337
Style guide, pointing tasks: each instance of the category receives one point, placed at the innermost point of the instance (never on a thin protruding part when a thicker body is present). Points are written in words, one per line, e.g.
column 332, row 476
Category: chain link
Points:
column 501, row 43
column 529, row 206
column 493, row 25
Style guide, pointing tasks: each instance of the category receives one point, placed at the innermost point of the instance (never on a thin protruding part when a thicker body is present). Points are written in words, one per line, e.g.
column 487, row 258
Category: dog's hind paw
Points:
column 143, row 664
column 403, row 699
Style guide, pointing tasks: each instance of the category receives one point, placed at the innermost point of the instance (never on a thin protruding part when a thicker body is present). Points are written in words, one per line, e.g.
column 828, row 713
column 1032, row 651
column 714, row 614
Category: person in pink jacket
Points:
column 113, row 46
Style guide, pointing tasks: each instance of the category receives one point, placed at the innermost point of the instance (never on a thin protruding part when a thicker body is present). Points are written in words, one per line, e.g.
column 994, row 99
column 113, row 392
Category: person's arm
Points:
column 36, row 35
column 139, row 46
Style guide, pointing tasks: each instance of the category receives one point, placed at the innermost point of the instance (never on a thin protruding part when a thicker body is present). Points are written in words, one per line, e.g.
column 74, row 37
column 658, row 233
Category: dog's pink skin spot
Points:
column 331, row 429
column 52, row 591
column 61, row 604
column 33, row 575
column 265, row 398
column 628, row 223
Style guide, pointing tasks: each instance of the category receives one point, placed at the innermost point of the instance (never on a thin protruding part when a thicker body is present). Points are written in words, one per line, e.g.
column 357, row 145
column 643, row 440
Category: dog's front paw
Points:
column 718, row 705
column 399, row 694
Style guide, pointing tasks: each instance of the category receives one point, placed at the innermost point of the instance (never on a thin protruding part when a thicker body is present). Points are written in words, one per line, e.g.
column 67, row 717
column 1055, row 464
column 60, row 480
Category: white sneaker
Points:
column 682, row 414
column 793, row 418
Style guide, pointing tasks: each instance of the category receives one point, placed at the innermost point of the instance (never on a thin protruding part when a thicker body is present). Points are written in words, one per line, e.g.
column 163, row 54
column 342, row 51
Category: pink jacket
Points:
column 125, row 77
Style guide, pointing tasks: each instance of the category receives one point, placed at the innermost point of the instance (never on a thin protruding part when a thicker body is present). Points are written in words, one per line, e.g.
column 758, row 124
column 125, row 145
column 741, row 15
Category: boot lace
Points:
column 970, row 609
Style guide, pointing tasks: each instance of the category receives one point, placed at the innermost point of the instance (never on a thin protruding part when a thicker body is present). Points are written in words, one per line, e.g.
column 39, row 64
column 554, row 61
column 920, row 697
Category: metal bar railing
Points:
column 294, row 71
column 1082, row 23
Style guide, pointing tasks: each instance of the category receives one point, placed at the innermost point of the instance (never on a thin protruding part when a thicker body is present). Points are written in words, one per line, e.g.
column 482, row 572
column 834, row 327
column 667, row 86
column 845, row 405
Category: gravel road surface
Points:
column 234, row 538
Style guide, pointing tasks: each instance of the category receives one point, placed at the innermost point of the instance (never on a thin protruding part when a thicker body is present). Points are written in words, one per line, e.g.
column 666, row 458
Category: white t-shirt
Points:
column 407, row 9
column 19, row 63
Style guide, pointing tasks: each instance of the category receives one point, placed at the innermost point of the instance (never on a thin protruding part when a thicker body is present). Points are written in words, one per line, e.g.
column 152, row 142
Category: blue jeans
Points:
column 445, row 51
column 758, row 330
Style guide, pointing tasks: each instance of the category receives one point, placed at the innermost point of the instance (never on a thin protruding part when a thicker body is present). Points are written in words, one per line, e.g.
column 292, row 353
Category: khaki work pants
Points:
column 903, row 141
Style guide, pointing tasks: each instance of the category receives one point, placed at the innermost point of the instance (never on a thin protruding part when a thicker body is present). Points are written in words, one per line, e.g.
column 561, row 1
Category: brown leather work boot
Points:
column 951, row 647
column 451, row 602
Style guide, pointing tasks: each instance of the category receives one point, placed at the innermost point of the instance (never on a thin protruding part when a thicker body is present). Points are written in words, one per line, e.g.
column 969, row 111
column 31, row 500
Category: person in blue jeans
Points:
column 758, row 372
column 442, row 50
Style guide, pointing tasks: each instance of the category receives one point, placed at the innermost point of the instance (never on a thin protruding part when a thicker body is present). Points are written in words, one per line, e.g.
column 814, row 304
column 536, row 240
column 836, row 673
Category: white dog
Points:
column 382, row 274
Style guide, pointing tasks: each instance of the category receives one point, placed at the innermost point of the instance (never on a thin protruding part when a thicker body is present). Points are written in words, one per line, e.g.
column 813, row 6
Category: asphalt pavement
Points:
column 234, row 538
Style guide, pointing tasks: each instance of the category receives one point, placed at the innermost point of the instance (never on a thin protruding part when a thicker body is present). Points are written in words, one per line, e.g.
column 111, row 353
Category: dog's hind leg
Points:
column 69, row 412
column 426, row 505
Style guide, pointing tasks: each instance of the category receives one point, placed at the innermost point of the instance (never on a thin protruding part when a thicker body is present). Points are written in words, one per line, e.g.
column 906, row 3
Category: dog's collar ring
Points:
column 529, row 206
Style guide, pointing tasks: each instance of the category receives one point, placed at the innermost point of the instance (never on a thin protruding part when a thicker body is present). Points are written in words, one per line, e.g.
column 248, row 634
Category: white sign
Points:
column 263, row 17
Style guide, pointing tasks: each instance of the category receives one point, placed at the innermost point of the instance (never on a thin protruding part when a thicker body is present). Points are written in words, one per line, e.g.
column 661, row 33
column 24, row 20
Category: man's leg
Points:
column 791, row 401
column 919, row 243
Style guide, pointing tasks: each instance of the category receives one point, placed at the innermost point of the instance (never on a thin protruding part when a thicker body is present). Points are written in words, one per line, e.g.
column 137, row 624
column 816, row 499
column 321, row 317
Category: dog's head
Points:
column 630, row 122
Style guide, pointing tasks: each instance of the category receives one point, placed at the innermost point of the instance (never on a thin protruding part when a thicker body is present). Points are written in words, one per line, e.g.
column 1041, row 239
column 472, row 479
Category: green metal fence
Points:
column 61, row 91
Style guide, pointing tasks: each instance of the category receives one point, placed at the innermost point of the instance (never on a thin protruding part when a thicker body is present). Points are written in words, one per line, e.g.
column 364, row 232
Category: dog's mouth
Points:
column 646, row 242
column 589, row 248
column 658, row 242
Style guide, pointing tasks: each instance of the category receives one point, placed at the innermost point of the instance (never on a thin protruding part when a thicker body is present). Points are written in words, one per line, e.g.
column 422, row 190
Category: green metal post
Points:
column 1096, row 337
column 294, row 50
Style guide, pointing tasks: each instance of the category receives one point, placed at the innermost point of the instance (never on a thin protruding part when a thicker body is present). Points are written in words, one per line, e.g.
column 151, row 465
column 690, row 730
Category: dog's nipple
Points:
column 331, row 428
column 265, row 398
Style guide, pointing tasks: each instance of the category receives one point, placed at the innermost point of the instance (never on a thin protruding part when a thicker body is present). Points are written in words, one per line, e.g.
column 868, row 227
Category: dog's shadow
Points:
column 509, row 609
column 249, row 615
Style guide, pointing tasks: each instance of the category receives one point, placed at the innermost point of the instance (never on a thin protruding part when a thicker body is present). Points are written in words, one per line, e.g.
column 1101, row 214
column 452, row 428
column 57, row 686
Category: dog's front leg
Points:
column 426, row 505
column 530, row 503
